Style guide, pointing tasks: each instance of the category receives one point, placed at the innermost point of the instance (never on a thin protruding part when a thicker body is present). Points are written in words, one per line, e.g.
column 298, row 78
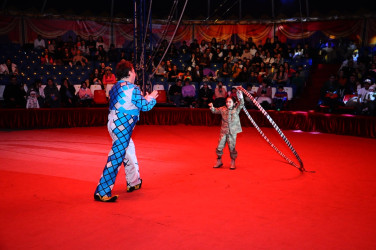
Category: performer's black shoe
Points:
column 133, row 188
column 97, row 197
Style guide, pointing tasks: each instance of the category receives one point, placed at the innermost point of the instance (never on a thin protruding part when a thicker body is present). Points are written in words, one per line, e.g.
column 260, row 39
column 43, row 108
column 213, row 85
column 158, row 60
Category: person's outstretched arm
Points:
column 144, row 103
column 214, row 110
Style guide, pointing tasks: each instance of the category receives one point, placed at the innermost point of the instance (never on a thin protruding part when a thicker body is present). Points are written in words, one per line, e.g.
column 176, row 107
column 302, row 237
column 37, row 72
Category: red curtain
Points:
column 364, row 126
column 259, row 32
column 371, row 31
column 10, row 29
column 51, row 28
column 332, row 29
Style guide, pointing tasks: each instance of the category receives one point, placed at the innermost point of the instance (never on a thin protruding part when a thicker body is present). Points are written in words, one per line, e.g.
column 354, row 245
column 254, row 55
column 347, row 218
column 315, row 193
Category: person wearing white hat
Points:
column 362, row 103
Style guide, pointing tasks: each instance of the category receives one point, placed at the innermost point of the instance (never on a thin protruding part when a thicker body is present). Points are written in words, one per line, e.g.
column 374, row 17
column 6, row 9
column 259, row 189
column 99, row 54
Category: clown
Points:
column 126, row 102
column 230, row 127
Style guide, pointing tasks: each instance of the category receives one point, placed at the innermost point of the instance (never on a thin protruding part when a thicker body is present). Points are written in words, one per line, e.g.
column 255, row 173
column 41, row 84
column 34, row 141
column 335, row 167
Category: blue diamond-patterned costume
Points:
column 126, row 102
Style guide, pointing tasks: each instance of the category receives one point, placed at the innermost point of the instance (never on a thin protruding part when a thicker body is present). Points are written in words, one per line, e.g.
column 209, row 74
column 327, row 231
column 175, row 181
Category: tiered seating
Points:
column 30, row 69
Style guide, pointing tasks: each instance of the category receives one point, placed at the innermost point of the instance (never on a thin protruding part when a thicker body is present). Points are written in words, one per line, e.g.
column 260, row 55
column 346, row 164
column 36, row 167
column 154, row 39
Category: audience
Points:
column 264, row 95
column 8, row 68
column 364, row 103
column 220, row 95
column 175, row 93
column 39, row 43
column 231, row 63
column 85, row 95
column 79, row 59
column 205, row 95
column 329, row 94
column 32, row 100
column 108, row 77
column 14, row 94
column 280, row 98
column 189, row 94
column 52, row 95
column 67, row 94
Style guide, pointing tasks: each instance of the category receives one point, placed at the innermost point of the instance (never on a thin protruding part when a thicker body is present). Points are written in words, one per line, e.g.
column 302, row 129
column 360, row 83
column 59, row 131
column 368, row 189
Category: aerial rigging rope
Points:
column 144, row 38
column 164, row 33
column 172, row 37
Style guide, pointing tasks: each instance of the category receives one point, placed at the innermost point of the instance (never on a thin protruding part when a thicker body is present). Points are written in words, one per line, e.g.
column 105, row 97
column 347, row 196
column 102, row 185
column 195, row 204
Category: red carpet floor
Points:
column 48, row 177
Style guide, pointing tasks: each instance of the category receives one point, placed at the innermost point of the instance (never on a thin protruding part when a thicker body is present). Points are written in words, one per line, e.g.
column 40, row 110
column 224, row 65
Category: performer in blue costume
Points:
column 126, row 102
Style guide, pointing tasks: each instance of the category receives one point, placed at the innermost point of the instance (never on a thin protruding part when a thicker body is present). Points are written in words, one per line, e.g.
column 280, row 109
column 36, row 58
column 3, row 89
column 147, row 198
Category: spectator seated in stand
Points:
column 280, row 98
column 264, row 95
column 85, row 96
column 161, row 70
column 371, row 100
column 329, row 94
column 220, row 95
column 197, row 74
column 232, row 94
column 175, row 93
column 67, row 94
column 39, row 43
column 14, row 94
column 67, row 57
column 297, row 83
column 108, row 77
column 247, row 101
column 174, row 74
column 79, row 59
column 32, row 100
column 39, row 91
column 189, row 94
column 205, row 95
column 46, row 58
column 95, row 78
column 364, row 104
column 8, row 68
column 51, row 94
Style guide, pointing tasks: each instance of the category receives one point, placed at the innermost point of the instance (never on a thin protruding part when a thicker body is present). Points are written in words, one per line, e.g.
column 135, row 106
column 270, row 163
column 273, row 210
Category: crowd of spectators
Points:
column 352, row 87
column 218, row 66
column 192, row 75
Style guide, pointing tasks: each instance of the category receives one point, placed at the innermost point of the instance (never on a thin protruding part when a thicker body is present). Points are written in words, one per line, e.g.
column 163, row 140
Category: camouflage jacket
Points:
column 230, row 118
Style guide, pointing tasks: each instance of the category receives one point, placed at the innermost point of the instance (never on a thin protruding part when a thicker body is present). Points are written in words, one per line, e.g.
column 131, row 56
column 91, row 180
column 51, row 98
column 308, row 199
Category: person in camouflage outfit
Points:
column 230, row 127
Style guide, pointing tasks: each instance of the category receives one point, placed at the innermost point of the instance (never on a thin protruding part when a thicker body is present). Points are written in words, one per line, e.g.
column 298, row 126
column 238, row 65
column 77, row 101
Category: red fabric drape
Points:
column 259, row 32
column 123, row 33
column 334, row 29
column 10, row 29
column 363, row 126
column 371, row 31
column 51, row 28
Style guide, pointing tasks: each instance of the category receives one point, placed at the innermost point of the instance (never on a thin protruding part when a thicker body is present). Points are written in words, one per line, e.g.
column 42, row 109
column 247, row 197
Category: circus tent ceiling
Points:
column 197, row 9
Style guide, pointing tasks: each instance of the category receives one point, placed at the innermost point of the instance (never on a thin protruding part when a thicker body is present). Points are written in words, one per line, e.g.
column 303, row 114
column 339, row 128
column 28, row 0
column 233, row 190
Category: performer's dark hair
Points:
column 232, row 98
column 123, row 68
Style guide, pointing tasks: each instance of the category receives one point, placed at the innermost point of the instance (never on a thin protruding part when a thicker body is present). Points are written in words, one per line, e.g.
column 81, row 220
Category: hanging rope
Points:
column 172, row 37
column 163, row 36
column 300, row 167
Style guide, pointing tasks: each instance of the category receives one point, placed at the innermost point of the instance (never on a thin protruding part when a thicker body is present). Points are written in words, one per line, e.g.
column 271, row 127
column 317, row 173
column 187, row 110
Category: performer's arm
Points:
column 241, row 100
column 144, row 103
column 214, row 110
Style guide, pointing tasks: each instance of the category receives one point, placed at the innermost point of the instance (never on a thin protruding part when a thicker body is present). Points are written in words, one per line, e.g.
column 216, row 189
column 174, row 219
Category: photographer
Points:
column 220, row 94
